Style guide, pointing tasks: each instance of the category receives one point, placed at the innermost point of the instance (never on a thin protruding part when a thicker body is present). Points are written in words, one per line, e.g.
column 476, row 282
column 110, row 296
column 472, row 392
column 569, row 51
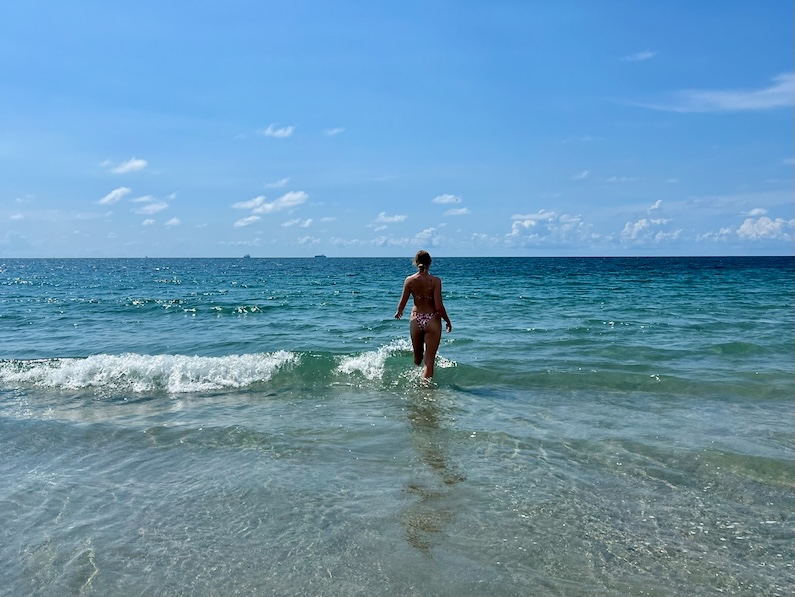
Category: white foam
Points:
column 144, row 373
column 371, row 364
column 443, row 363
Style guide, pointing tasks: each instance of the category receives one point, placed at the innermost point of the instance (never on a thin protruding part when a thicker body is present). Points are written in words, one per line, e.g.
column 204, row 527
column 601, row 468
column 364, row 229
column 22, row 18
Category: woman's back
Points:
column 423, row 287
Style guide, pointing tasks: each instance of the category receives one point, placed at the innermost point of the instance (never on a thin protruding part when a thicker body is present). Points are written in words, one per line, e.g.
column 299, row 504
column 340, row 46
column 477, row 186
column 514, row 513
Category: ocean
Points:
column 595, row 426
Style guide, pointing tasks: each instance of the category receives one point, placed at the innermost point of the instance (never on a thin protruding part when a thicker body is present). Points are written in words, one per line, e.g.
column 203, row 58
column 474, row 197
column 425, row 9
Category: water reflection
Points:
column 433, row 508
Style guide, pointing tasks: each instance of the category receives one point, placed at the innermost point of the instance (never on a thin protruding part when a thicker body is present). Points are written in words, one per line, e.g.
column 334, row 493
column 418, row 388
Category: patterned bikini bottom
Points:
column 422, row 319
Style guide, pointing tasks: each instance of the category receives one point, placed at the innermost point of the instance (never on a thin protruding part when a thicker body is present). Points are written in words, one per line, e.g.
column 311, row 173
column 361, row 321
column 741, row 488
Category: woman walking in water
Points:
column 427, row 313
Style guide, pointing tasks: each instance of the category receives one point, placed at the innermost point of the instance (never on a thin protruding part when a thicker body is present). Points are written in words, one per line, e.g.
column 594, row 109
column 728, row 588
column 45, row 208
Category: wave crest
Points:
column 145, row 373
column 371, row 365
column 176, row 374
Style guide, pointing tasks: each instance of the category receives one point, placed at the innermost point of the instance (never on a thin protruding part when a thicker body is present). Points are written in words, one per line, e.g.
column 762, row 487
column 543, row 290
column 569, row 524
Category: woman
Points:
column 427, row 314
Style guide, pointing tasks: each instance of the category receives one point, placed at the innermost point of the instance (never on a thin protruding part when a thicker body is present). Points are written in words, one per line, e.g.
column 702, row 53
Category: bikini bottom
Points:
column 422, row 319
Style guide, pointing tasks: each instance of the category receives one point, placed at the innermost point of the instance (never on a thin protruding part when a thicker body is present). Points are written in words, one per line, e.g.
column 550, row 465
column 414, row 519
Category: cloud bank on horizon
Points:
column 463, row 128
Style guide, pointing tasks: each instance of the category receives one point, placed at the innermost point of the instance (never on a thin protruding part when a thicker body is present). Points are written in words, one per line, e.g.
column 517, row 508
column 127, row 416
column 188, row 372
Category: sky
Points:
column 352, row 128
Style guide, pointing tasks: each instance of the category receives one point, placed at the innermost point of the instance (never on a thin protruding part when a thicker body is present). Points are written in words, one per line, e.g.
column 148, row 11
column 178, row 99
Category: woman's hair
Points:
column 422, row 259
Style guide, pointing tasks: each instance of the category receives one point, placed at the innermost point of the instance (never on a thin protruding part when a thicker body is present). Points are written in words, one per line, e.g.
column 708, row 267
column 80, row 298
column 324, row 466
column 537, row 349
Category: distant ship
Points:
column 246, row 256
column 320, row 256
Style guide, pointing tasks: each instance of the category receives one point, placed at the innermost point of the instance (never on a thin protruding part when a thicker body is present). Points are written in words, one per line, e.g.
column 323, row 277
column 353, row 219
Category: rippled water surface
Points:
column 219, row 427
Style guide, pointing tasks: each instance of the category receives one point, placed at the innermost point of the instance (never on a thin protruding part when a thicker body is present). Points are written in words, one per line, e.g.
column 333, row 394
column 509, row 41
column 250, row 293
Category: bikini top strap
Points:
column 422, row 296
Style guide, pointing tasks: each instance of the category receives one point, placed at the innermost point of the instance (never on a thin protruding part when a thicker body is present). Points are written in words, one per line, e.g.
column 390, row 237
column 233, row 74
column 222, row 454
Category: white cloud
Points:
column 457, row 212
column 131, row 165
column 251, row 204
column 446, row 199
column 520, row 225
column 480, row 239
column 246, row 221
column 757, row 211
column 334, row 131
column 286, row 201
column 639, row 56
column 173, row 222
column 542, row 215
column 613, row 179
column 582, row 175
column 779, row 94
column 298, row 222
column 308, row 240
column 114, row 196
column 649, row 231
column 657, row 205
column 148, row 222
column 765, row 228
column 722, row 235
column 278, row 184
column 152, row 208
column 385, row 219
column 280, row 133
column 425, row 238
column 548, row 228
column 143, row 199
column 17, row 217
column 633, row 230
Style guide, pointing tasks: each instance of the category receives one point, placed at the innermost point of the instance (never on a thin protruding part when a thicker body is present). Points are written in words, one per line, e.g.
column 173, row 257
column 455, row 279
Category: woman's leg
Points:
column 433, row 336
column 417, row 341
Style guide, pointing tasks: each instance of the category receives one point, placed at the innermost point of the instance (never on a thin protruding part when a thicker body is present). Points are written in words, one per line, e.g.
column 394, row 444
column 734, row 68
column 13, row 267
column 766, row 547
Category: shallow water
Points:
column 220, row 427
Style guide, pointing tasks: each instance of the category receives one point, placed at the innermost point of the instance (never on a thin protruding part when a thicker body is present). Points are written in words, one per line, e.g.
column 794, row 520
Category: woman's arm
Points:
column 437, row 300
column 403, row 299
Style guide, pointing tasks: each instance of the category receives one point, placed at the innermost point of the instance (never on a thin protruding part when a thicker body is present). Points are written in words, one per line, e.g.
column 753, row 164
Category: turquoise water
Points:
column 256, row 427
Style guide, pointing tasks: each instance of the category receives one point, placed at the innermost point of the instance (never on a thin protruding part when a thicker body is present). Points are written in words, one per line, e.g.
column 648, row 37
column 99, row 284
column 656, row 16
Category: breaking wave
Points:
column 139, row 373
column 175, row 374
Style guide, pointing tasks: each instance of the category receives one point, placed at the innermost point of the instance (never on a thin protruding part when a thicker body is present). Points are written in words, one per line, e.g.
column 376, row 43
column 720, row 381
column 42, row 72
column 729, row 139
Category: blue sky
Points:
column 353, row 128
